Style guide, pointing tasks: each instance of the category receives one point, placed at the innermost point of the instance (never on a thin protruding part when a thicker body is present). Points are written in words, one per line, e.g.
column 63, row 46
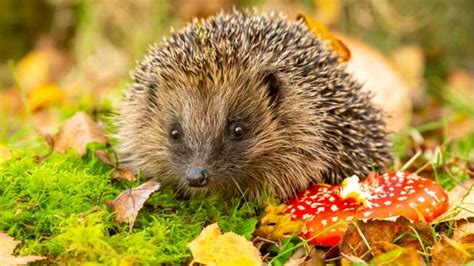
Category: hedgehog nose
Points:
column 197, row 176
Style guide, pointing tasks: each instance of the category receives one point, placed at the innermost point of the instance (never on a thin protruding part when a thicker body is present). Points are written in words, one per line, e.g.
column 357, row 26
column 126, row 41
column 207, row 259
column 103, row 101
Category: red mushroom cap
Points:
column 404, row 194
column 326, row 214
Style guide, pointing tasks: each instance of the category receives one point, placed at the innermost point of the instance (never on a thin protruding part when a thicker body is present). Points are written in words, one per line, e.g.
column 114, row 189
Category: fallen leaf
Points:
column 462, row 81
column 450, row 252
column 386, row 253
column 127, row 205
column 45, row 121
column 372, row 69
column 32, row 70
column 103, row 157
column 461, row 200
column 276, row 223
column 123, row 174
column 117, row 174
column 7, row 246
column 362, row 235
column 464, row 231
column 213, row 248
column 10, row 101
column 77, row 132
column 320, row 31
column 328, row 11
column 44, row 95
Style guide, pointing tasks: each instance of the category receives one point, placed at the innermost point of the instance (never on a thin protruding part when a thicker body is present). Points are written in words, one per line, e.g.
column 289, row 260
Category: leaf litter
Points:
column 127, row 205
column 7, row 247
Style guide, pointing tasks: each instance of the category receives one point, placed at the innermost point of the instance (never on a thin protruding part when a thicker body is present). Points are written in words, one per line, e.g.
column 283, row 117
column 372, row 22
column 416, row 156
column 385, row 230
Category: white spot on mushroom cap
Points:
column 324, row 222
column 388, row 203
column 320, row 209
column 367, row 213
column 402, row 198
column 300, row 207
column 334, row 208
column 331, row 199
column 421, row 199
column 349, row 218
column 334, row 219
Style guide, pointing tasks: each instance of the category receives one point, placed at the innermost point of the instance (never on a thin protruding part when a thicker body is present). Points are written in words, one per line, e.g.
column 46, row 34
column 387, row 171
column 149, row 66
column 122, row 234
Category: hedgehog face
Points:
column 212, row 134
column 244, row 101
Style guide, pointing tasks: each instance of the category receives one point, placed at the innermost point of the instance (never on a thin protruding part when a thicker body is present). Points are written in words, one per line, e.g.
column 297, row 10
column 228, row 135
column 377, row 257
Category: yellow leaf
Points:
column 32, row 70
column 328, row 11
column 44, row 95
column 277, row 224
column 213, row 248
column 319, row 31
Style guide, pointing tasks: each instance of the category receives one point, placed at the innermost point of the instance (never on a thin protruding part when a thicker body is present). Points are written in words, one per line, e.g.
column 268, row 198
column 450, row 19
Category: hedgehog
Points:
column 247, row 103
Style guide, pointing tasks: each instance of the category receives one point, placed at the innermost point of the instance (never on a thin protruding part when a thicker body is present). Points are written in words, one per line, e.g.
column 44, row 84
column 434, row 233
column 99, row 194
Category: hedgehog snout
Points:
column 197, row 176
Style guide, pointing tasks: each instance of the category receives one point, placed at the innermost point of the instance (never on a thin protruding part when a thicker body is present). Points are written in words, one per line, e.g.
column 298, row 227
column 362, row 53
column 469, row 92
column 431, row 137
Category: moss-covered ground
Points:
column 57, row 208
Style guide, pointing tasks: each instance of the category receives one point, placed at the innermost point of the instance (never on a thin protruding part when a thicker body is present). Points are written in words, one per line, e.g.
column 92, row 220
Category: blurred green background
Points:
column 78, row 54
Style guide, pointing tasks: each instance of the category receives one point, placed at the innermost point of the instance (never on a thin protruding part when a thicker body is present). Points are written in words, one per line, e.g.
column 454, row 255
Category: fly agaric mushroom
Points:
column 326, row 214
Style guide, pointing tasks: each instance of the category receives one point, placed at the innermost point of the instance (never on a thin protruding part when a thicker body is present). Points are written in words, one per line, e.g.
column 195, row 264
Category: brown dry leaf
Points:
column 450, row 252
column 277, row 224
column 391, row 92
column 77, row 132
column 355, row 244
column 462, row 81
column 320, row 31
column 386, row 253
column 301, row 257
column 10, row 101
column 127, row 205
column 7, row 246
column 461, row 202
column 123, row 174
column 45, row 121
column 118, row 174
column 103, row 157
column 464, row 230
column 213, row 248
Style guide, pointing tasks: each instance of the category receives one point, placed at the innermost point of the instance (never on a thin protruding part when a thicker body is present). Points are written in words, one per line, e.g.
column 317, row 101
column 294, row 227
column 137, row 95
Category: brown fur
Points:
column 306, row 119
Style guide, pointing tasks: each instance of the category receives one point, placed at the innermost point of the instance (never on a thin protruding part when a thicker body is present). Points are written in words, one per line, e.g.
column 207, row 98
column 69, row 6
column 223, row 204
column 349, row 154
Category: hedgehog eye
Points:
column 175, row 133
column 236, row 130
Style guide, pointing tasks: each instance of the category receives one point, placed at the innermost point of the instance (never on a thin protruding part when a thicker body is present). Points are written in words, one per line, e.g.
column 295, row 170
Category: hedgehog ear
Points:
column 273, row 86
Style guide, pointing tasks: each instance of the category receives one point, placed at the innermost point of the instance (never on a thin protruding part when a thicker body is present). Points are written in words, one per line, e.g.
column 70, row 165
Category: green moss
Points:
column 57, row 209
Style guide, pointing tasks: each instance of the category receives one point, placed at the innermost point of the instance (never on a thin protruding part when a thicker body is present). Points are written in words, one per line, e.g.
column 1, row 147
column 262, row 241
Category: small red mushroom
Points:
column 326, row 214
